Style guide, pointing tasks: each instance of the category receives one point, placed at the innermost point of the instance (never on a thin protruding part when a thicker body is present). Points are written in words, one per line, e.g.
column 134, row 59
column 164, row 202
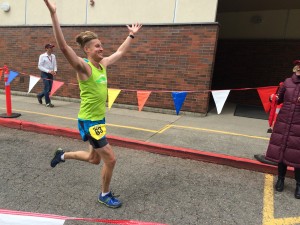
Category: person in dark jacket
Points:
column 284, row 145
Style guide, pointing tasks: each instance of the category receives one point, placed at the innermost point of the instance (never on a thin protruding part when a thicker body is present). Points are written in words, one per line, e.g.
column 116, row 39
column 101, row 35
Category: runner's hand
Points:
column 134, row 28
column 51, row 6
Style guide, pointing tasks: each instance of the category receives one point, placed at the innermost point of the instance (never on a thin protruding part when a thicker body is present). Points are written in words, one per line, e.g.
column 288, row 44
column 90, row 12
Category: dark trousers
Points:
column 48, row 81
column 282, row 168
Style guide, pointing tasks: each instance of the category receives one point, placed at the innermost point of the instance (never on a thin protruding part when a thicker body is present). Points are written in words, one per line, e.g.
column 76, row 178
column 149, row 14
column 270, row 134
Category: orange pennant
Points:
column 142, row 97
column 1, row 72
column 264, row 94
column 55, row 86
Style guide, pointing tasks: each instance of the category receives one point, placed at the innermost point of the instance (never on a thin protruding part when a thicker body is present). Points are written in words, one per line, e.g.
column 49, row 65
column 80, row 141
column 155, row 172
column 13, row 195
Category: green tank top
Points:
column 93, row 94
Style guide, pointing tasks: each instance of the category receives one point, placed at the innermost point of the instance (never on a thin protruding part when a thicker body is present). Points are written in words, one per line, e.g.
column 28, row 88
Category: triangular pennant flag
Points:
column 264, row 94
column 55, row 86
column 142, row 97
column 112, row 96
column 1, row 72
column 32, row 82
column 220, row 98
column 178, row 98
column 12, row 75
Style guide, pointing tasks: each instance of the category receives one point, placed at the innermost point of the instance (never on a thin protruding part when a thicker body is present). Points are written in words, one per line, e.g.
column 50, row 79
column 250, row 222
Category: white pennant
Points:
column 220, row 98
column 32, row 82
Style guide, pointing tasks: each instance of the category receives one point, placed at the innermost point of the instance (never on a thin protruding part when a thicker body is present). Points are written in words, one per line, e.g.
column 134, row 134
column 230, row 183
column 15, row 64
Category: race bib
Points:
column 98, row 131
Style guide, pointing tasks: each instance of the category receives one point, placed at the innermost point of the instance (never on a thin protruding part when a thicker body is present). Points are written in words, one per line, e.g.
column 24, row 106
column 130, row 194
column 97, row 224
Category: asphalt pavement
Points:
column 153, row 187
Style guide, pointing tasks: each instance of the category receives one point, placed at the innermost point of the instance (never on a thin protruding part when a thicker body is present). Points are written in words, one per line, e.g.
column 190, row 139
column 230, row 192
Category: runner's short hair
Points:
column 85, row 37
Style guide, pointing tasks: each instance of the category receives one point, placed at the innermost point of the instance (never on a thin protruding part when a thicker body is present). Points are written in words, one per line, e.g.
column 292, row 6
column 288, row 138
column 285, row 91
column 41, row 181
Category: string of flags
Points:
column 219, row 96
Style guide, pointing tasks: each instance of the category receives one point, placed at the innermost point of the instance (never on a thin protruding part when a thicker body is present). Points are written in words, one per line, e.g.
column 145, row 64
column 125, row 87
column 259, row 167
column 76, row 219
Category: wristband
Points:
column 131, row 36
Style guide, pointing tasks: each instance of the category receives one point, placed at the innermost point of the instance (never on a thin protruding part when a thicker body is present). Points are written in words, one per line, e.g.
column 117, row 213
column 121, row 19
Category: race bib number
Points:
column 98, row 131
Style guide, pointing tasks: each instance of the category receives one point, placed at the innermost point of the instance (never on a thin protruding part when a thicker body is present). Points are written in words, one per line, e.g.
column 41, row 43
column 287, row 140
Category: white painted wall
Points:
column 196, row 11
column 109, row 12
column 16, row 15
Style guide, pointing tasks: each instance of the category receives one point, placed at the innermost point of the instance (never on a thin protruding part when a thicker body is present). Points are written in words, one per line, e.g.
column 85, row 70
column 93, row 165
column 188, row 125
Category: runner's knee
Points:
column 95, row 161
column 94, row 158
column 111, row 162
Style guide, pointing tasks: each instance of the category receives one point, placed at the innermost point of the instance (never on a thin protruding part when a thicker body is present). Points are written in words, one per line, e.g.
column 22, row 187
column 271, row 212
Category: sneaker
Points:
column 49, row 105
column 270, row 130
column 39, row 99
column 57, row 157
column 110, row 200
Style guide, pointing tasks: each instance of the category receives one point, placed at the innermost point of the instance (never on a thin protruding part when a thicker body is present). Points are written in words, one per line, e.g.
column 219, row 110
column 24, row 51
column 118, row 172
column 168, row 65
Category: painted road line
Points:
column 43, row 114
column 268, row 208
column 220, row 132
column 75, row 119
column 132, row 128
column 164, row 129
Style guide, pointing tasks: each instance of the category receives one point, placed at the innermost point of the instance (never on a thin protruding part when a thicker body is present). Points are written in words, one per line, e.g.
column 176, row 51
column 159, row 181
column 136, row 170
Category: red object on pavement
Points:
column 7, row 91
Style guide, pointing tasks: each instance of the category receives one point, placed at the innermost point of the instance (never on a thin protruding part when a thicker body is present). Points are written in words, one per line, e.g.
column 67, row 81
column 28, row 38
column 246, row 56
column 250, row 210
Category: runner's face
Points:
column 95, row 49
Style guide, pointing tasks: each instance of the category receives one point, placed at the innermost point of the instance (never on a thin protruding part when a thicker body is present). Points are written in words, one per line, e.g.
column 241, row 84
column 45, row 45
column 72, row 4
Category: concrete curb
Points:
column 185, row 153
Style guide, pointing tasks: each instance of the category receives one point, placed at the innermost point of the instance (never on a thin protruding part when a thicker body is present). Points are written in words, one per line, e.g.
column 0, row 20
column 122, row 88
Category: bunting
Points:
column 1, row 72
column 55, row 86
column 220, row 98
column 142, row 97
column 32, row 82
column 264, row 94
column 12, row 75
column 112, row 95
column 178, row 98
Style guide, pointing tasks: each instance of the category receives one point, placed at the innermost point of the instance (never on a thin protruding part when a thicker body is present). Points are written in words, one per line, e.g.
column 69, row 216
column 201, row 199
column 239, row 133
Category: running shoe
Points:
column 110, row 200
column 57, row 157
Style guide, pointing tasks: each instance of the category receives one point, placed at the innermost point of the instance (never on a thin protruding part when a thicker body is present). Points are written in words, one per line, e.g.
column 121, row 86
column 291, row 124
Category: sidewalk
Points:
column 224, row 139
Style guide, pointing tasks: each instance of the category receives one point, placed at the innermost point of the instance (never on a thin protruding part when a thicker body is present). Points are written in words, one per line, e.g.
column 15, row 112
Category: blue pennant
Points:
column 178, row 98
column 12, row 75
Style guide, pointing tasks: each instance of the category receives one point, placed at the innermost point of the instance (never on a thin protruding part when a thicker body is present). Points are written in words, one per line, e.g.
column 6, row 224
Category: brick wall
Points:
column 252, row 63
column 163, row 58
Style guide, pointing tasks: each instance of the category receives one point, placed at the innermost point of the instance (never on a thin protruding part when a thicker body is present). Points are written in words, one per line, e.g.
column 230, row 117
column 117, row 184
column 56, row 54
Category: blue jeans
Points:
column 47, row 80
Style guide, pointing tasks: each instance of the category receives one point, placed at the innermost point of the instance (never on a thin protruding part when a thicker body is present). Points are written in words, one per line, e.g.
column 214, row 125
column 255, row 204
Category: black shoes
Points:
column 297, row 191
column 280, row 185
column 262, row 159
column 270, row 130
column 49, row 105
column 39, row 99
column 41, row 102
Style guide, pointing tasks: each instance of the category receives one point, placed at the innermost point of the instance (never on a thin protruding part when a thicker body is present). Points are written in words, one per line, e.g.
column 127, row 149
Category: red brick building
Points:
column 197, row 46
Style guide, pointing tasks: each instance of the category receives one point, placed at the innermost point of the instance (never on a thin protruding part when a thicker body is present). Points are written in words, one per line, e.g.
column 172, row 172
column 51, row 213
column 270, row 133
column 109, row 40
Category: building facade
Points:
column 184, row 45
